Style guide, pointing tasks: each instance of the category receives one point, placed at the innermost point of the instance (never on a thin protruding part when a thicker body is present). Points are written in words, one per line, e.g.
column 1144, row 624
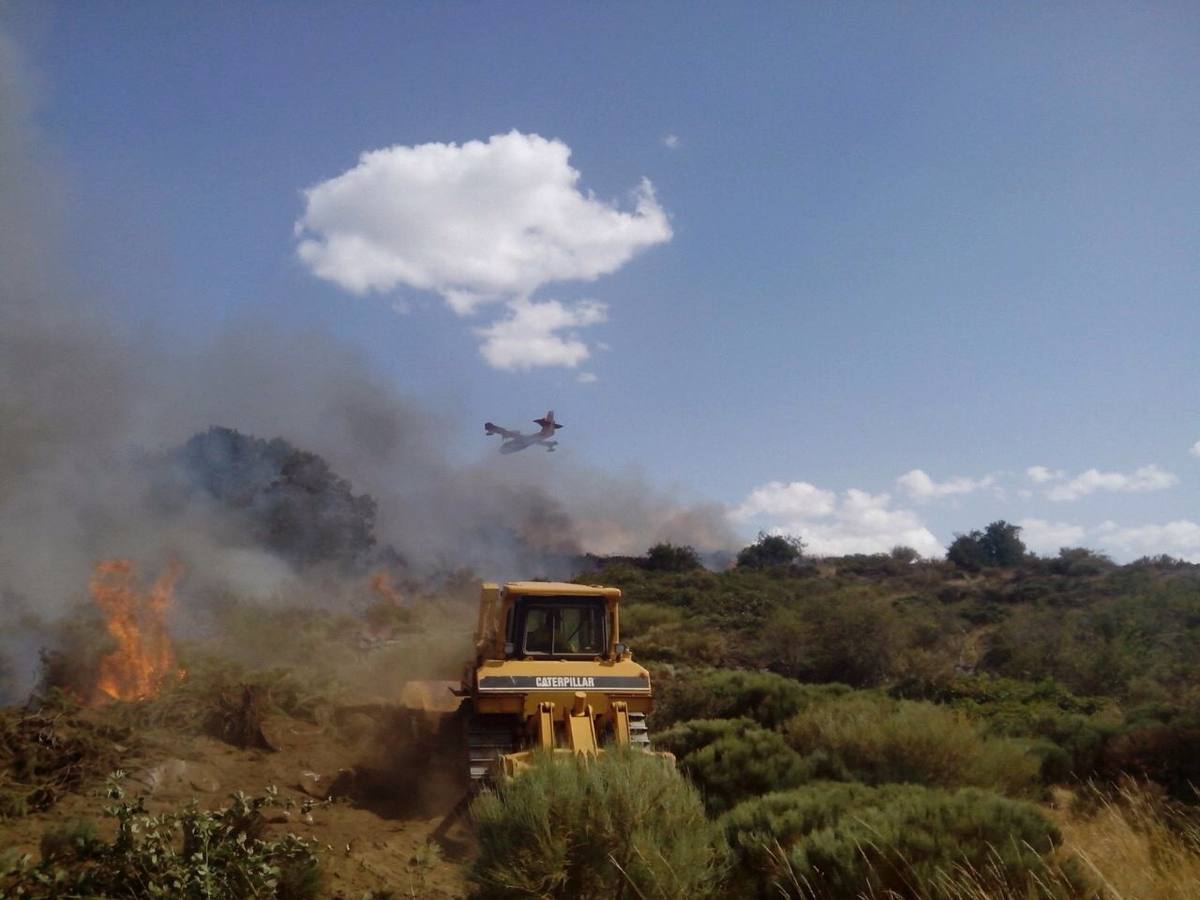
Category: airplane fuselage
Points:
column 512, row 441
column 512, row 445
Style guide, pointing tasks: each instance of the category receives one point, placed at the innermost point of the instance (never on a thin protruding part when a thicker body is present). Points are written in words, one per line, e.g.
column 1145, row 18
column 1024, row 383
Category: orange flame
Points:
column 143, row 659
column 385, row 589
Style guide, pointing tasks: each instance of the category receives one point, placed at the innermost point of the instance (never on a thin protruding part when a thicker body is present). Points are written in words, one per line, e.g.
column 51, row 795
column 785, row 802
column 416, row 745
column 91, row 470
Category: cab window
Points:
column 562, row 629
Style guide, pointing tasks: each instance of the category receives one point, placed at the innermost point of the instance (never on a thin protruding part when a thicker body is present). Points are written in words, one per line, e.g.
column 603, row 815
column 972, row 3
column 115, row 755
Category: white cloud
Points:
column 1041, row 474
column 671, row 142
column 1180, row 538
column 1195, row 450
column 832, row 524
column 587, row 378
column 476, row 222
column 795, row 501
column 530, row 337
column 1045, row 537
column 922, row 488
column 1147, row 478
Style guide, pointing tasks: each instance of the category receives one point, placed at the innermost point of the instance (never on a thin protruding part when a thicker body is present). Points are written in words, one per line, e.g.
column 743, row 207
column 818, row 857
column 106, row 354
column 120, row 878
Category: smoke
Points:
column 87, row 413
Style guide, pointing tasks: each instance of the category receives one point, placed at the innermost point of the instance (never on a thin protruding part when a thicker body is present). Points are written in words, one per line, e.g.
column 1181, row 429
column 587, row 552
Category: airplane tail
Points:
column 489, row 428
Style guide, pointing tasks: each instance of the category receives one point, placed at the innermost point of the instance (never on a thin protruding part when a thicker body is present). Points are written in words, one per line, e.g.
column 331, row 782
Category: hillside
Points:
column 1053, row 703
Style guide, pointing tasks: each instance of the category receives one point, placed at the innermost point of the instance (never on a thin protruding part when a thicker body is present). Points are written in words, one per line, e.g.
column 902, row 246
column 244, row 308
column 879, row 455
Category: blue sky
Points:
column 935, row 237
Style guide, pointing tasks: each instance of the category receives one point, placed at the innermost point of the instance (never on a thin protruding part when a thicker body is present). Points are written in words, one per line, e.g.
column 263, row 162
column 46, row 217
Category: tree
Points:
column 665, row 557
column 967, row 552
column 771, row 550
column 1002, row 544
column 998, row 545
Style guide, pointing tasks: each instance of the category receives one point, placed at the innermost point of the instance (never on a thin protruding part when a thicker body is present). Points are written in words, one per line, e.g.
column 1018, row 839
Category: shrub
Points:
column 686, row 738
column 851, row 637
column 737, row 766
column 878, row 741
column 850, row 840
column 669, row 558
column 766, row 698
column 223, row 853
column 638, row 618
column 596, row 829
column 769, row 551
column 1078, row 561
column 1166, row 754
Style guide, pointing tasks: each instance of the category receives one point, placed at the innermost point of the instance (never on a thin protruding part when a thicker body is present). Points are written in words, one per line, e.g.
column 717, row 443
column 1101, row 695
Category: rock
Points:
column 313, row 785
column 206, row 784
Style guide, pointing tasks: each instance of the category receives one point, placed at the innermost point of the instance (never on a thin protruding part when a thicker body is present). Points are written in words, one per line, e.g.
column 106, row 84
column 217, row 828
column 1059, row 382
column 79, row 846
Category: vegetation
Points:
column 222, row 854
column 848, row 840
column 878, row 725
column 287, row 500
column 623, row 826
column 49, row 752
column 998, row 545
column 669, row 558
column 771, row 550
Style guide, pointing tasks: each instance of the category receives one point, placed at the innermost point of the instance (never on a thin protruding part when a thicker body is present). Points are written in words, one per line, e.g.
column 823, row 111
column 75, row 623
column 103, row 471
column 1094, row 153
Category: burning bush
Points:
column 143, row 658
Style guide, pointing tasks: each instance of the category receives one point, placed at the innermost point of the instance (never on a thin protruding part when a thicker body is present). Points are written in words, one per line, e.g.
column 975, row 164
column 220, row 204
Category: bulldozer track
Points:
column 488, row 738
column 639, row 732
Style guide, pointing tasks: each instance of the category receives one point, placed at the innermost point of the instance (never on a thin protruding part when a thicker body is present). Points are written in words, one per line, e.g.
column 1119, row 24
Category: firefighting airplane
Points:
column 514, row 440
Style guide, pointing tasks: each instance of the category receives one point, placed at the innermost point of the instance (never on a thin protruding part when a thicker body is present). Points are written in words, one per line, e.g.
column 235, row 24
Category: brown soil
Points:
column 395, row 823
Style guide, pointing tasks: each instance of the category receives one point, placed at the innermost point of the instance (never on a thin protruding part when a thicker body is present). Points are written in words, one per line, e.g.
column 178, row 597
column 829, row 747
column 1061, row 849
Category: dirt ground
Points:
column 396, row 822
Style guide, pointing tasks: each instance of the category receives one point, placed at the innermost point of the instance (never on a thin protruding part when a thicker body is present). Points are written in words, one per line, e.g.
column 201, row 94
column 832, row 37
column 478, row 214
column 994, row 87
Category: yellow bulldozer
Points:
column 549, row 674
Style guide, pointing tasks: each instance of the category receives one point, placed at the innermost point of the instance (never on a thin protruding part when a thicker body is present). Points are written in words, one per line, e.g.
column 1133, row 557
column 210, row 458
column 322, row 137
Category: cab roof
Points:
column 560, row 589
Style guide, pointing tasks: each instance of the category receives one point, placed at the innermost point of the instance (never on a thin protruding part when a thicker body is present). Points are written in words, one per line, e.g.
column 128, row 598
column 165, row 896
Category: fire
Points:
column 385, row 589
column 143, row 659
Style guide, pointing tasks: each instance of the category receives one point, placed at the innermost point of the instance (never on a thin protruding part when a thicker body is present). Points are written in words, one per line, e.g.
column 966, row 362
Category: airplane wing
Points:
column 489, row 428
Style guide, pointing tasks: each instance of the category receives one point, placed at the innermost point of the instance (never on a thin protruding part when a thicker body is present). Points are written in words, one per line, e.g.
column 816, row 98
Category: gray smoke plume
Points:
column 88, row 414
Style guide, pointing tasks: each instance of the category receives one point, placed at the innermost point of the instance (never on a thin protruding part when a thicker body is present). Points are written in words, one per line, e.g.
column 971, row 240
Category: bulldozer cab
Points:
column 558, row 628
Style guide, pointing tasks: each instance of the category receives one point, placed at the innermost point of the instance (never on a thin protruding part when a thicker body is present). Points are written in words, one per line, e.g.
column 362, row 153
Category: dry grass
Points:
column 1136, row 846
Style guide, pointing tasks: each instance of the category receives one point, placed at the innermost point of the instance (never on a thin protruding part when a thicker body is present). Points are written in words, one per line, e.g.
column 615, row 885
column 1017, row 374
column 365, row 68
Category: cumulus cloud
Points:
column 920, row 487
column 795, row 501
column 1195, row 451
column 1042, row 474
column 539, row 334
column 671, row 142
column 587, row 378
column 1180, row 538
column 833, row 524
column 1044, row 537
column 1147, row 478
column 476, row 222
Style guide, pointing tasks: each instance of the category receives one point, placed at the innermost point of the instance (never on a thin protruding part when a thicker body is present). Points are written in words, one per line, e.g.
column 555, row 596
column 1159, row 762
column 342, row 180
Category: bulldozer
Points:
column 549, row 675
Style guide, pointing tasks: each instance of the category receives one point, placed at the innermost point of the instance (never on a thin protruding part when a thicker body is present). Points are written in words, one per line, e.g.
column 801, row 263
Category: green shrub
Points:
column 879, row 741
column 737, row 766
column 848, row 840
column 223, row 854
column 686, row 738
column 638, row 618
column 725, row 694
column 623, row 825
